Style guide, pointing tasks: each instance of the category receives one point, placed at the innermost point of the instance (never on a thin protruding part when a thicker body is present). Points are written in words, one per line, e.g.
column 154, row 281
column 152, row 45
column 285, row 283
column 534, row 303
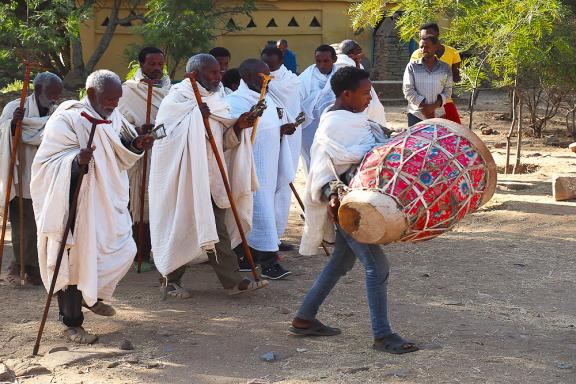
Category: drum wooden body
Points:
column 419, row 184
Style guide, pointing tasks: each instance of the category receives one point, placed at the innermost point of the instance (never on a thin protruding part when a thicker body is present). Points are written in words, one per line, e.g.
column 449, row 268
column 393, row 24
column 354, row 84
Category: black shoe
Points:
column 285, row 247
column 275, row 272
column 244, row 265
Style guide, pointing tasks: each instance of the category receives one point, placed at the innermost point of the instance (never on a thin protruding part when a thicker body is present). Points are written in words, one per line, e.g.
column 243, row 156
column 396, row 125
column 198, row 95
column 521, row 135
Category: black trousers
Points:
column 70, row 306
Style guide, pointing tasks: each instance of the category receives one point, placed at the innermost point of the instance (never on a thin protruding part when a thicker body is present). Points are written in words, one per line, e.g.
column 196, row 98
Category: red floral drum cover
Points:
column 437, row 172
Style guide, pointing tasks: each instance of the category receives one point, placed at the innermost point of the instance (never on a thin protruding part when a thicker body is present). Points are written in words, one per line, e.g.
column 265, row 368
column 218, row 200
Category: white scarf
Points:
column 343, row 138
column 375, row 110
column 184, row 178
column 101, row 249
column 132, row 105
column 32, row 130
column 316, row 93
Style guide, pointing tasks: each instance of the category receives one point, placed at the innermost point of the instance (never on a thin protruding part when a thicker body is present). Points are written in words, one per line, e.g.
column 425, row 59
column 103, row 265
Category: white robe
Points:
column 342, row 140
column 32, row 130
column 101, row 249
column 185, row 179
column 272, row 168
column 375, row 110
column 315, row 95
column 284, row 89
column 132, row 105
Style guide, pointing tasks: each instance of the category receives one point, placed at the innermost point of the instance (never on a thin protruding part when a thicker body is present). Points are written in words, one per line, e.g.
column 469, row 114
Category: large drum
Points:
column 418, row 185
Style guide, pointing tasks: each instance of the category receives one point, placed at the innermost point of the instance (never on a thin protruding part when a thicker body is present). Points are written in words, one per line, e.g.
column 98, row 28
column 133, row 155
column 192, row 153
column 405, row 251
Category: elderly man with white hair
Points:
column 37, row 109
column 350, row 56
column 100, row 248
column 189, row 208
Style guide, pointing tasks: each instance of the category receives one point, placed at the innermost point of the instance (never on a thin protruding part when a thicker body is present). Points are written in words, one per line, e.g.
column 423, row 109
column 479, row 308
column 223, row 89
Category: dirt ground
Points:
column 491, row 302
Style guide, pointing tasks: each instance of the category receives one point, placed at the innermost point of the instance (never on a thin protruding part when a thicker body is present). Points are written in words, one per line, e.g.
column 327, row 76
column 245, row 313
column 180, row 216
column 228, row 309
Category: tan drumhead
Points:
column 480, row 147
column 372, row 217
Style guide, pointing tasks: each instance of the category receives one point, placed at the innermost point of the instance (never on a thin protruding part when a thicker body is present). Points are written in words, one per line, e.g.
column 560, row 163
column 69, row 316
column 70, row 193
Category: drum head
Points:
column 372, row 217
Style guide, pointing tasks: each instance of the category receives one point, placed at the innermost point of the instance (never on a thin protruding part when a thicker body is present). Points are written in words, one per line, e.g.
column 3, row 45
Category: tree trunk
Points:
column 519, row 144
column 106, row 37
column 509, row 135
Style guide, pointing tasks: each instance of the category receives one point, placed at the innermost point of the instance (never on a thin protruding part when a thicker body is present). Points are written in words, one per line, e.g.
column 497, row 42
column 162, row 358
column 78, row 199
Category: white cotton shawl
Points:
column 284, row 89
column 32, row 130
column 132, row 105
column 375, row 110
column 272, row 171
column 343, row 138
column 315, row 93
column 184, row 178
column 101, row 249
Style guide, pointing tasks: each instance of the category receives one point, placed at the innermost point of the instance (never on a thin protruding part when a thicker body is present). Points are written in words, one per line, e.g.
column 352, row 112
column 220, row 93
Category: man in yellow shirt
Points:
column 448, row 55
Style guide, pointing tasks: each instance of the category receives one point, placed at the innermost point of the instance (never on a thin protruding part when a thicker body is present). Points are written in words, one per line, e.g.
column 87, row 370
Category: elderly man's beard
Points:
column 206, row 85
column 45, row 102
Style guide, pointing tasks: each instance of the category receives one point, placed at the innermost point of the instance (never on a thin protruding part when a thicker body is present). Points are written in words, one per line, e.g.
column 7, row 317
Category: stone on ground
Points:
column 564, row 186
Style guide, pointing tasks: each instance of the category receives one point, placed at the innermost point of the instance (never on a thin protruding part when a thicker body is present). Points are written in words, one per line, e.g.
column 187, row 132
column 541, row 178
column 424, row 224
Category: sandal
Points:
column 395, row 344
column 177, row 291
column 247, row 286
column 100, row 308
column 316, row 328
column 79, row 335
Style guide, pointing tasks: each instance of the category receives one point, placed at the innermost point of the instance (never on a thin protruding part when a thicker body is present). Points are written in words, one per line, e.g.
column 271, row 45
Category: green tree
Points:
column 49, row 32
column 182, row 27
column 512, row 44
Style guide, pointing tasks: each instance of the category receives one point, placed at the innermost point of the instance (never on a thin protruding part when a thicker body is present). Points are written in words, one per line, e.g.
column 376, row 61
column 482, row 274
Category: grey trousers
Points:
column 224, row 261
column 30, row 245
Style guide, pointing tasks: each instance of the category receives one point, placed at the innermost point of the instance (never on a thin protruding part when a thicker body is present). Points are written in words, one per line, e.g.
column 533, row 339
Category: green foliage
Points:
column 40, row 30
column 15, row 86
column 185, row 27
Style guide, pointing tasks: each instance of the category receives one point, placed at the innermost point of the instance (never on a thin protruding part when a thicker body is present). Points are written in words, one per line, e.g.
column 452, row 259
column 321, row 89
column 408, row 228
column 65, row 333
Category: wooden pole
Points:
column 225, row 178
column 297, row 196
column 143, row 186
column 14, row 152
column 266, row 80
column 69, row 223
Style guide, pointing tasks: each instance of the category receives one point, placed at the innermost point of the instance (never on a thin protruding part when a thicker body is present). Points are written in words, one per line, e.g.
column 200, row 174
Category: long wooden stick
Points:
column 225, row 180
column 15, row 144
column 266, row 80
column 69, row 223
column 297, row 196
column 20, row 169
column 143, row 185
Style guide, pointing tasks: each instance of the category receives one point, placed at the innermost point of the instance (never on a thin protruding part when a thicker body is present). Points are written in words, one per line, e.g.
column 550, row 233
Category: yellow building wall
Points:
column 302, row 39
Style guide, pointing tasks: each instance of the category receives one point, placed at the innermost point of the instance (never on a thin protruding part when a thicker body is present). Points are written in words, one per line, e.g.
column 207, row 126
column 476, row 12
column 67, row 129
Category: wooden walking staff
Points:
column 144, row 174
column 15, row 152
column 69, row 223
column 225, row 179
column 263, row 90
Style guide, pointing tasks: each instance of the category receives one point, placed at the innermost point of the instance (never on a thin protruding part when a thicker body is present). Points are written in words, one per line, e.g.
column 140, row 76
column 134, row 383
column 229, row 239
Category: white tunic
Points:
column 101, row 249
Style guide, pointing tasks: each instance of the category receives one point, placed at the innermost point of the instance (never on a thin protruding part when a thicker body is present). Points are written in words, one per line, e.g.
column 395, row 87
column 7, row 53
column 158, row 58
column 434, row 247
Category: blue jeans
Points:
column 346, row 250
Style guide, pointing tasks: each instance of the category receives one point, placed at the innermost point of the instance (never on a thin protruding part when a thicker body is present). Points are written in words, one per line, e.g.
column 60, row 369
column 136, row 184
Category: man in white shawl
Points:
column 274, row 168
column 284, row 89
column 37, row 109
column 133, row 106
column 345, row 135
column 350, row 56
column 189, row 208
column 316, row 95
column 100, row 248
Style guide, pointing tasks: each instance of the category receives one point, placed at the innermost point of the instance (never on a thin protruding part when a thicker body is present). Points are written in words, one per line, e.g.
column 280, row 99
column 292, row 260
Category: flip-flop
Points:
column 79, row 335
column 100, row 308
column 315, row 329
column 177, row 291
column 395, row 344
column 252, row 286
